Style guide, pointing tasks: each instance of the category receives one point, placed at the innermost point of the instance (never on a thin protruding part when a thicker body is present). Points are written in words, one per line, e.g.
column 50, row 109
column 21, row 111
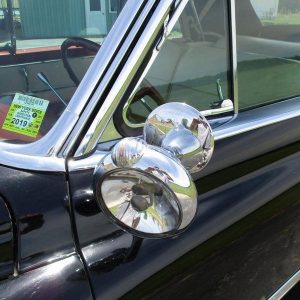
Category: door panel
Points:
column 249, row 260
column 62, row 279
column 39, row 202
column 248, row 201
column 46, row 261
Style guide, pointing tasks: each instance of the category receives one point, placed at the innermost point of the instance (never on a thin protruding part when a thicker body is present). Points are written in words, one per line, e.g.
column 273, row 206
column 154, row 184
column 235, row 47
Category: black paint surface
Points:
column 243, row 239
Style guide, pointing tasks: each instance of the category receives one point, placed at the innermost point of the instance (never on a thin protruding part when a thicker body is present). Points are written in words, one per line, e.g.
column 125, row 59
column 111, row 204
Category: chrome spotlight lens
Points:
column 139, row 201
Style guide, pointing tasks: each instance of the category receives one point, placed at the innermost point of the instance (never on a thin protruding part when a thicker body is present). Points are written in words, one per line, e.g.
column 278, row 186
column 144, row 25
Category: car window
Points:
column 268, row 36
column 46, row 48
column 192, row 66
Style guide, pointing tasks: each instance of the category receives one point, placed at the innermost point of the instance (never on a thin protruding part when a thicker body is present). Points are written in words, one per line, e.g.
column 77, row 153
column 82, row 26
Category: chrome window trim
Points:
column 137, row 55
column 205, row 113
column 42, row 155
column 232, row 59
column 99, row 124
column 233, row 55
column 259, row 117
column 286, row 287
column 106, row 80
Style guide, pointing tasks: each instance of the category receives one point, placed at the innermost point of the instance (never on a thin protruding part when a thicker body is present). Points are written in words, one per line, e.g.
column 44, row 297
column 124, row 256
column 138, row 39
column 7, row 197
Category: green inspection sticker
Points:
column 25, row 115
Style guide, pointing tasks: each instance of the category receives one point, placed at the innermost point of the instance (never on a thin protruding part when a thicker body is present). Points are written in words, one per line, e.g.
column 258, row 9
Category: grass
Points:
column 268, row 80
column 282, row 19
column 110, row 133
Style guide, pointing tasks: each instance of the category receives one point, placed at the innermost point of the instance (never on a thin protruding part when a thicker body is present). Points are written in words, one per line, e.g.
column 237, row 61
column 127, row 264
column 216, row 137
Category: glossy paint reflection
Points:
column 227, row 197
column 112, row 251
column 63, row 279
column 39, row 202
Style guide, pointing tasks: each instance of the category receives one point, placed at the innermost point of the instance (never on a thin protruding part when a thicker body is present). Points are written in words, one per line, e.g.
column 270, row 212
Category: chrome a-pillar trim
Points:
column 113, row 66
column 139, row 51
column 42, row 155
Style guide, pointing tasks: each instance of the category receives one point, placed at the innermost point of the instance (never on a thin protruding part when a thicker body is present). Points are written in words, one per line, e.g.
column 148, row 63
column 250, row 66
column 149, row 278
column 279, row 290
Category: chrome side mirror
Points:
column 145, row 185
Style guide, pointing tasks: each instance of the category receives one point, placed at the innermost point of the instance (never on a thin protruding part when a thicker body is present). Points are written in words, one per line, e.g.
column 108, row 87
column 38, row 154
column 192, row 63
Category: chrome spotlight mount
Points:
column 145, row 185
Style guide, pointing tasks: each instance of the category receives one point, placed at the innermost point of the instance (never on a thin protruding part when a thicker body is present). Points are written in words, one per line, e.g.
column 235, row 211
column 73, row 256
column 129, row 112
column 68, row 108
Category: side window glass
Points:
column 46, row 48
column 192, row 66
column 268, row 36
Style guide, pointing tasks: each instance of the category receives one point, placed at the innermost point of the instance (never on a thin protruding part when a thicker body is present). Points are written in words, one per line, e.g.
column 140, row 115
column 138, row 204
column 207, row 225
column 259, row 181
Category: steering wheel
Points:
column 129, row 122
column 76, row 42
column 145, row 89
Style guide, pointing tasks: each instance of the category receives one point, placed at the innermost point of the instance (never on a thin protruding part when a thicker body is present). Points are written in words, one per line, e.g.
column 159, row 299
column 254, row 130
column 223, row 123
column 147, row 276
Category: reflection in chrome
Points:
column 145, row 187
column 153, row 177
column 140, row 201
column 182, row 130
column 128, row 151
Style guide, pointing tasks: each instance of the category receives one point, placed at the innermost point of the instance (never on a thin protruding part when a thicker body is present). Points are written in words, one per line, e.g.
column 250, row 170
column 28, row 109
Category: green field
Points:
column 110, row 133
column 282, row 19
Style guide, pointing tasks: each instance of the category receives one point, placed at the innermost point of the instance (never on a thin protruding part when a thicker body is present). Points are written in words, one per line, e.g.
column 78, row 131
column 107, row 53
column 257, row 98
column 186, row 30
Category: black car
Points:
column 150, row 149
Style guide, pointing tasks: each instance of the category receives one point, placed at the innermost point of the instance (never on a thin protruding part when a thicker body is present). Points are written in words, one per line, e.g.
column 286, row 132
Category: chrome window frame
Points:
column 138, row 53
column 232, row 69
column 92, row 137
column 233, row 55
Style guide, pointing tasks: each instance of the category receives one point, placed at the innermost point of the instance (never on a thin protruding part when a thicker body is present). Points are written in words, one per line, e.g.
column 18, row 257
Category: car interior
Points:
column 61, row 67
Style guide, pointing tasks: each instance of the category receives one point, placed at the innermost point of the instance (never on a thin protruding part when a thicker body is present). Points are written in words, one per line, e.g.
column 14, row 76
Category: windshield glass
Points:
column 46, row 48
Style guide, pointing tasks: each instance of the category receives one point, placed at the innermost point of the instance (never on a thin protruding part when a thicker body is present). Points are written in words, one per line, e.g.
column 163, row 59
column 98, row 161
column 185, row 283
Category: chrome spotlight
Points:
column 145, row 186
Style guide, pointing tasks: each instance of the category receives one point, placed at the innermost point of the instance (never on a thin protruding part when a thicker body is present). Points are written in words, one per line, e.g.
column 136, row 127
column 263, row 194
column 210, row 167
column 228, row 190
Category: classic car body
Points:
column 56, row 242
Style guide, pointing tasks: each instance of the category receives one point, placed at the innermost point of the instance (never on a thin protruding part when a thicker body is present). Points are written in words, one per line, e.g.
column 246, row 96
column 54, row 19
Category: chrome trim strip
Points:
column 127, row 44
column 286, row 287
column 233, row 56
column 87, row 163
column 105, row 80
column 205, row 113
column 259, row 117
column 121, row 83
column 33, row 163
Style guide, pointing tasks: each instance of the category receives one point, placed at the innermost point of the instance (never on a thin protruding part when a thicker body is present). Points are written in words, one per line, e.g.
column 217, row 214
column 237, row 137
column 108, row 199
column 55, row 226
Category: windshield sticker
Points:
column 25, row 115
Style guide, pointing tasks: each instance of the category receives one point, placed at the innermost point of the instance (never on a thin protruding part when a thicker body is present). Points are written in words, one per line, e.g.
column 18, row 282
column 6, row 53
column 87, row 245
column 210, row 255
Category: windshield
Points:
column 46, row 48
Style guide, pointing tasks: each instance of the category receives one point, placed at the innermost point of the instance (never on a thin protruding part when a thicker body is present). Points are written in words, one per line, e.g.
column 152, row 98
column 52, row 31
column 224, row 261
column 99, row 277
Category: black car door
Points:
column 244, row 241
